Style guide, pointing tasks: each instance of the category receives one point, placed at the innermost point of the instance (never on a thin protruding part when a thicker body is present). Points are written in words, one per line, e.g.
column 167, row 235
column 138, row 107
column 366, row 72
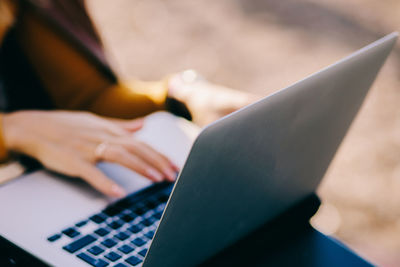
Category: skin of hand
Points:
column 206, row 101
column 66, row 142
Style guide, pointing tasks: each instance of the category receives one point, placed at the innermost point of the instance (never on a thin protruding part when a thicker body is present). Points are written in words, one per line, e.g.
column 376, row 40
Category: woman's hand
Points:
column 72, row 142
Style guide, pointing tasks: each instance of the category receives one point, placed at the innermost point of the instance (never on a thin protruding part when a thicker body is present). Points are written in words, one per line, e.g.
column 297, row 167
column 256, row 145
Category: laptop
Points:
column 238, row 173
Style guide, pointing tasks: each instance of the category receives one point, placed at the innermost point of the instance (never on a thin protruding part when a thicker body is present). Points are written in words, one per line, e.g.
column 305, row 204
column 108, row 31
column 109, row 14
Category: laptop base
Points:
column 288, row 240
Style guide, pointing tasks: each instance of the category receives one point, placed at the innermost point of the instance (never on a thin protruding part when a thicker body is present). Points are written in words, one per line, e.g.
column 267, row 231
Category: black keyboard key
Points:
column 96, row 250
column 126, row 249
column 157, row 215
column 112, row 210
column 71, row 232
column 102, row 232
column 151, row 204
column 136, row 228
column 127, row 217
column 54, row 237
column 122, row 236
column 149, row 234
column 116, row 224
column 138, row 242
column 108, row 243
column 148, row 221
column 81, row 223
column 139, row 211
column 133, row 260
column 120, row 265
column 98, row 218
column 163, row 198
column 143, row 252
column 112, row 256
column 80, row 243
column 92, row 261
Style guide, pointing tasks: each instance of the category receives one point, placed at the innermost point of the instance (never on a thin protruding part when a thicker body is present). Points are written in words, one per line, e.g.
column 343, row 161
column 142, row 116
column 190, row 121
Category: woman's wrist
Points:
column 9, row 132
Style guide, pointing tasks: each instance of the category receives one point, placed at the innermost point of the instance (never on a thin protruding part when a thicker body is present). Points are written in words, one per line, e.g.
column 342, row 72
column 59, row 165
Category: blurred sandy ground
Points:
column 264, row 45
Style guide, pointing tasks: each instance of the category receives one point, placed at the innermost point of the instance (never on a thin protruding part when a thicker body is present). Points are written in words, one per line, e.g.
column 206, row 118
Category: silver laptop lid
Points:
column 250, row 166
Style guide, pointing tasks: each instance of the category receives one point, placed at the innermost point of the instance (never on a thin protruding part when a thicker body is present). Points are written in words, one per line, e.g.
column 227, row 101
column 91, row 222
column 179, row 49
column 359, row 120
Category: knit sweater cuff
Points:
column 3, row 150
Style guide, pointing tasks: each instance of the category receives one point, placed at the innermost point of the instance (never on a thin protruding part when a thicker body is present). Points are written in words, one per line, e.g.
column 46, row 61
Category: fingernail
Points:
column 175, row 166
column 155, row 174
column 138, row 123
column 171, row 175
column 118, row 191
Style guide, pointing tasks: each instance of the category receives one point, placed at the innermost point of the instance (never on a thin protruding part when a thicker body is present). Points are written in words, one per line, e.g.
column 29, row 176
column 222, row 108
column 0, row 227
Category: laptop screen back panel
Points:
column 252, row 165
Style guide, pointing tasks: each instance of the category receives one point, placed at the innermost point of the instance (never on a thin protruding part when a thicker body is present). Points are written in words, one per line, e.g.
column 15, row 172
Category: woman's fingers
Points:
column 98, row 180
column 128, row 125
column 113, row 128
column 152, row 157
column 165, row 158
column 118, row 154
column 133, row 125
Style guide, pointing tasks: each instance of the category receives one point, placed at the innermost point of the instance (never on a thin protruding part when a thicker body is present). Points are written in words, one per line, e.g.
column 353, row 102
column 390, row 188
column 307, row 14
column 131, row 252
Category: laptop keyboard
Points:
column 119, row 235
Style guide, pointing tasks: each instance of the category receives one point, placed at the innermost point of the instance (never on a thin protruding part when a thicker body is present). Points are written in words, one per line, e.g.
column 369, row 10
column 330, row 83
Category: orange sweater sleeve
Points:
column 3, row 150
column 72, row 82
column 8, row 10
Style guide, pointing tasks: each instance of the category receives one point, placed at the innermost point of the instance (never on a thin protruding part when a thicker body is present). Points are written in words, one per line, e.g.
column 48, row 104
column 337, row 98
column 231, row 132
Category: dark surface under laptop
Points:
column 289, row 240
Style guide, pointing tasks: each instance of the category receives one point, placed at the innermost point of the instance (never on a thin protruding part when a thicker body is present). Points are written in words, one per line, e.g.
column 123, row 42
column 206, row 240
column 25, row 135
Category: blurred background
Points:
column 264, row 45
